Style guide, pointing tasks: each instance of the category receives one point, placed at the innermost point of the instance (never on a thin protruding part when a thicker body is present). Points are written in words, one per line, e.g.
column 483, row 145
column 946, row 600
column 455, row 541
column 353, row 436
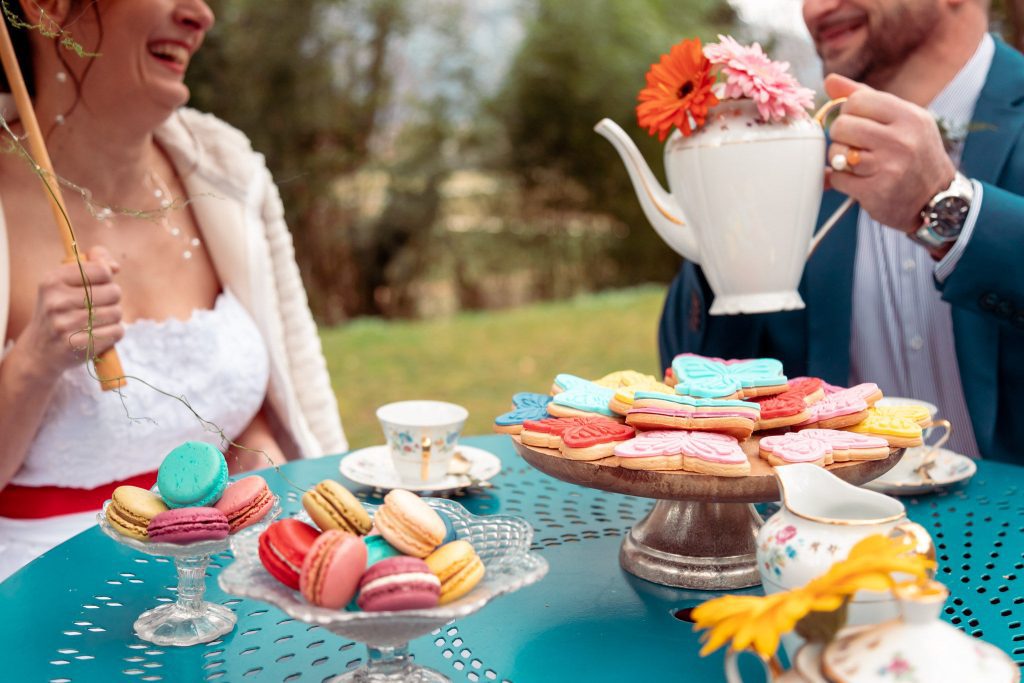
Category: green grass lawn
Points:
column 480, row 359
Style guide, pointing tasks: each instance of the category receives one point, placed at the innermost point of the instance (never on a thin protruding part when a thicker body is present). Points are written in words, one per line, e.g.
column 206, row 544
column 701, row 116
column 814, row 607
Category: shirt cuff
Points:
column 945, row 267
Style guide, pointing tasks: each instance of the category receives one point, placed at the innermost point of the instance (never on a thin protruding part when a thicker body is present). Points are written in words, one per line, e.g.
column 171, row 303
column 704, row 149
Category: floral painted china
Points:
column 373, row 466
column 904, row 479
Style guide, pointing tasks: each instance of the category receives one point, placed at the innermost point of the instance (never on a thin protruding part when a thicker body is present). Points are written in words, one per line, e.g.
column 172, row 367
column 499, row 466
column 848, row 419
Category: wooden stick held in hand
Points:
column 108, row 365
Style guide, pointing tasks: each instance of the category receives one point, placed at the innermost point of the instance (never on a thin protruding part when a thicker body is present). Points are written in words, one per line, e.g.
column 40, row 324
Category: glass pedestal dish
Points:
column 189, row 620
column 701, row 532
column 502, row 542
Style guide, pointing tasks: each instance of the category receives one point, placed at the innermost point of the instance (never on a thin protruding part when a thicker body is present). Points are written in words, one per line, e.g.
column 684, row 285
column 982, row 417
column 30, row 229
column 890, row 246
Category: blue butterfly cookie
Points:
column 525, row 406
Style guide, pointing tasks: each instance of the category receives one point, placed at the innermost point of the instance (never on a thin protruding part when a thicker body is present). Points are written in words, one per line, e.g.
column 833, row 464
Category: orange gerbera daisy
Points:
column 678, row 91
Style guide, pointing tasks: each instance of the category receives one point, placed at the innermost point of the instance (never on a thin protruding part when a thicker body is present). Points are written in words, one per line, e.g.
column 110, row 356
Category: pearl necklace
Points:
column 161, row 216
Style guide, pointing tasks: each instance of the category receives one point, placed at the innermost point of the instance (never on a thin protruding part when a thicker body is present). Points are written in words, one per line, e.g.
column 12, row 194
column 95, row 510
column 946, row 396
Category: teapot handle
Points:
column 732, row 670
column 923, row 543
column 827, row 226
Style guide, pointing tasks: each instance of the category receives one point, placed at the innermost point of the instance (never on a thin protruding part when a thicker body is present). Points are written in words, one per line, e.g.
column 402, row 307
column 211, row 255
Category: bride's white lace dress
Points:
column 216, row 361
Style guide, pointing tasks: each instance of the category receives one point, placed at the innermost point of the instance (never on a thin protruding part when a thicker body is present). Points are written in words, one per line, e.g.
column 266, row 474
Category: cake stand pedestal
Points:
column 701, row 532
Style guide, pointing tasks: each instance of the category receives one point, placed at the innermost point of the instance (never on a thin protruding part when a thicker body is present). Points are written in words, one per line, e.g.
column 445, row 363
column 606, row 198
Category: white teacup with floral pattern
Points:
column 422, row 437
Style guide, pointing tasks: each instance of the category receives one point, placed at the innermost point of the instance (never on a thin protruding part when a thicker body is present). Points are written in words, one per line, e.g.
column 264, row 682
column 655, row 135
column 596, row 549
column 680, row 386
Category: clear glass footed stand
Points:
column 502, row 542
column 190, row 620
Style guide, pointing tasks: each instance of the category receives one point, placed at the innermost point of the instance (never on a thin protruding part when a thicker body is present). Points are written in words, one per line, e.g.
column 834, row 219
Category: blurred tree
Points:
column 1008, row 18
column 308, row 81
column 579, row 63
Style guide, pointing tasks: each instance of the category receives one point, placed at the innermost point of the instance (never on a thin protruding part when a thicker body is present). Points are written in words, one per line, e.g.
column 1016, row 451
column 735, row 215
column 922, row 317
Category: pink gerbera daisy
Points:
column 750, row 73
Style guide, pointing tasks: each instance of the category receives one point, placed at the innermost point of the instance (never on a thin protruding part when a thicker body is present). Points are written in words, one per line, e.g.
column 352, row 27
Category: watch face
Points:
column 948, row 216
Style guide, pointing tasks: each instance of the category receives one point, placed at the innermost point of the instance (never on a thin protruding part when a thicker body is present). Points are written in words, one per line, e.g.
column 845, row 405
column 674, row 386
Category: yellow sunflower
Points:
column 757, row 622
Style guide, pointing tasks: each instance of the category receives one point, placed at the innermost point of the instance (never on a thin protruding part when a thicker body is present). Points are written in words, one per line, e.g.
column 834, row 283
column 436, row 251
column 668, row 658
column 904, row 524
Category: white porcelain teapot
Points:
column 918, row 647
column 742, row 202
column 821, row 519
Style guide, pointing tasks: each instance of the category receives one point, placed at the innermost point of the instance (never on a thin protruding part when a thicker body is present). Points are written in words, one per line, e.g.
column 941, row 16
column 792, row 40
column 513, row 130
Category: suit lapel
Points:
column 828, row 292
column 996, row 126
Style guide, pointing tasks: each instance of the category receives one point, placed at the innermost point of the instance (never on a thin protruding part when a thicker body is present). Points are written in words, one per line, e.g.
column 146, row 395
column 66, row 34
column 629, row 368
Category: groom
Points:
column 920, row 290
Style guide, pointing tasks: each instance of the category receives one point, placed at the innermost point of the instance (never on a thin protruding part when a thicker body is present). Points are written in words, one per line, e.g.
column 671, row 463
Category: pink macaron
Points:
column 332, row 568
column 187, row 525
column 245, row 502
column 398, row 583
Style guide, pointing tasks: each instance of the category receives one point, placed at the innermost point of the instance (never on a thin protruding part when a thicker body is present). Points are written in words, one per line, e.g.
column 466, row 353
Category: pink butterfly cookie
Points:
column 794, row 447
column 842, row 409
column 848, row 446
column 699, row 452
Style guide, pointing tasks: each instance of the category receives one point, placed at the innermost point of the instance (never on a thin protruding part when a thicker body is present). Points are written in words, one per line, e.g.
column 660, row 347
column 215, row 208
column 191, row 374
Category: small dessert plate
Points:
column 904, row 480
column 372, row 466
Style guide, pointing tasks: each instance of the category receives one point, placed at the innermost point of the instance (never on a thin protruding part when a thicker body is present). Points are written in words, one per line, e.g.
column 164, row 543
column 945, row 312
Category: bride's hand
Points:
column 57, row 335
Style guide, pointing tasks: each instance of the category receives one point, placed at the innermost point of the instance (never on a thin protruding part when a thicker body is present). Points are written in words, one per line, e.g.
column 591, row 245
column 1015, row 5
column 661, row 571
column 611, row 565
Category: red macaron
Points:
column 332, row 569
column 398, row 583
column 245, row 502
column 283, row 547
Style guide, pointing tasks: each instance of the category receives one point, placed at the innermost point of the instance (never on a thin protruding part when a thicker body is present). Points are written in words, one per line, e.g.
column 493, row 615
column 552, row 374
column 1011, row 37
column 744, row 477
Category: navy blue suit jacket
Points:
column 986, row 289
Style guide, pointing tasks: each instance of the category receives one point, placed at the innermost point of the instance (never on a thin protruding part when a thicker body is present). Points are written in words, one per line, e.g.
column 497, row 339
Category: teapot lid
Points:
column 919, row 647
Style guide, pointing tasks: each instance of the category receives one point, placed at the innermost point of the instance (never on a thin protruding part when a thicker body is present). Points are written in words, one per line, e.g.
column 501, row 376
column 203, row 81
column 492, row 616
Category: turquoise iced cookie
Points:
column 528, row 406
column 192, row 475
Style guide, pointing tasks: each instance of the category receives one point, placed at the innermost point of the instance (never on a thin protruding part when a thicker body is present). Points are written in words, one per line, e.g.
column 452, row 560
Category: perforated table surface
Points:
column 68, row 615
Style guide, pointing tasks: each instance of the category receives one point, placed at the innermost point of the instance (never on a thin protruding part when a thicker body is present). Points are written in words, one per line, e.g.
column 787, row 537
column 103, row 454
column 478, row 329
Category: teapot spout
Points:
column 661, row 209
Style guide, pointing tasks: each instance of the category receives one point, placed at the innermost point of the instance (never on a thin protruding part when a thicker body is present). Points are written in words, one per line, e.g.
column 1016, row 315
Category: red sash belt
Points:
column 39, row 502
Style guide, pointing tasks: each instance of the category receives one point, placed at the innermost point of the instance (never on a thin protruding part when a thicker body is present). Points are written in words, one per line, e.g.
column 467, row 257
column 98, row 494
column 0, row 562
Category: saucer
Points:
column 949, row 468
column 372, row 467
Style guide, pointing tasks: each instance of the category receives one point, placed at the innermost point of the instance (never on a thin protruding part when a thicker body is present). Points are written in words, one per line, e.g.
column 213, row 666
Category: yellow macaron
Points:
column 131, row 508
column 458, row 567
column 332, row 506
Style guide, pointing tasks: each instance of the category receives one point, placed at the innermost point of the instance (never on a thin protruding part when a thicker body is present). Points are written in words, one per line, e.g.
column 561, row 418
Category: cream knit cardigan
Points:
column 241, row 218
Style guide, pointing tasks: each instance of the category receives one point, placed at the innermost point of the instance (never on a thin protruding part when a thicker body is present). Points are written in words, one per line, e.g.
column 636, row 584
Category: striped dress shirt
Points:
column 902, row 330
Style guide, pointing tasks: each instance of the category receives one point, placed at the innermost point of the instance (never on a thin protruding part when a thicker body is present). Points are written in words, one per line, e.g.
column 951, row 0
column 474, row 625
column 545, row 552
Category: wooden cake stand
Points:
column 701, row 532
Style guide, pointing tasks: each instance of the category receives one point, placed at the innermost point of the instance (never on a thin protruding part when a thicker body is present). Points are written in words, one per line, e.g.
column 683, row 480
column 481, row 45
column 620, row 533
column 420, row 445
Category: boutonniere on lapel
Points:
column 954, row 133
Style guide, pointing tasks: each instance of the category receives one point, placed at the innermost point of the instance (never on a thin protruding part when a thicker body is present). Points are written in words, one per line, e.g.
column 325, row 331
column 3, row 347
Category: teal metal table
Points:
column 67, row 617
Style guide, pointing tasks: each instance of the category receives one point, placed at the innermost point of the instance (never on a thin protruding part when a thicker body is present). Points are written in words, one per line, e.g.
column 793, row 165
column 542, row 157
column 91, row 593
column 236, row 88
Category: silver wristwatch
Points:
column 943, row 218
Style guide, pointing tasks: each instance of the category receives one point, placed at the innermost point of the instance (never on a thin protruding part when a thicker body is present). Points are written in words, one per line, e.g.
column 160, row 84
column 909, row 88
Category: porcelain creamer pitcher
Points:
column 742, row 202
column 821, row 519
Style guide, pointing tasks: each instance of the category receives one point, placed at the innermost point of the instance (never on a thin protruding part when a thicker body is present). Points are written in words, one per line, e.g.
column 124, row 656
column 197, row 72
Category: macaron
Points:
column 245, row 502
column 187, row 525
column 377, row 549
column 398, row 583
column 192, row 475
column 332, row 569
column 332, row 506
column 409, row 524
column 283, row 547
column 131, row 509
column 458, row 567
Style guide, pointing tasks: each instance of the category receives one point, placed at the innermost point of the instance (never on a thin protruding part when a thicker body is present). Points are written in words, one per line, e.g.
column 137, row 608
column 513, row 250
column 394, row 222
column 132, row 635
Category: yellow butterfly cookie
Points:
column 918, row 414
column 622, row 401
column 899, row 431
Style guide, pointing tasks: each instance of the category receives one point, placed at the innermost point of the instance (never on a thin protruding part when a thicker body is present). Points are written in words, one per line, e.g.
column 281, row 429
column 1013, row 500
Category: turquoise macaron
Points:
column 192, row 475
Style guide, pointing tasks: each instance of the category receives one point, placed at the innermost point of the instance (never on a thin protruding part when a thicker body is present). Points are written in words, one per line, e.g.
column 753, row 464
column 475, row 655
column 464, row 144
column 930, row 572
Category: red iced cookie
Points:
column 594, row 440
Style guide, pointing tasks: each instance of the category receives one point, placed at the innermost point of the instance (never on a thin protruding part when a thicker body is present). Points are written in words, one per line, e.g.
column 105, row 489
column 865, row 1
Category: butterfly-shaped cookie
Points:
column 526, row 406
column 580, row 398
column 713, row 378
column 702, row 452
